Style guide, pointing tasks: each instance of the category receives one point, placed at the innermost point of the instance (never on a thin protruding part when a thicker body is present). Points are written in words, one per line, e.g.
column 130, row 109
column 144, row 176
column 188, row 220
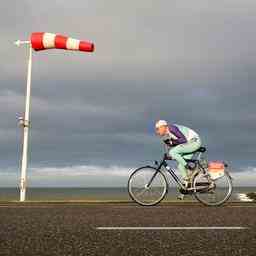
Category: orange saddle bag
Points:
column 216, row 169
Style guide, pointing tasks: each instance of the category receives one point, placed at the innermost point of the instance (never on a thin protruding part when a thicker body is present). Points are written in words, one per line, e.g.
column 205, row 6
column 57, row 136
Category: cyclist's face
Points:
column 161, row 131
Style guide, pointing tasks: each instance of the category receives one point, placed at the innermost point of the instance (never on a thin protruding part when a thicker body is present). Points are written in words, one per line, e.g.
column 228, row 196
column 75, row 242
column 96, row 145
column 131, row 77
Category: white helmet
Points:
column 160, row 123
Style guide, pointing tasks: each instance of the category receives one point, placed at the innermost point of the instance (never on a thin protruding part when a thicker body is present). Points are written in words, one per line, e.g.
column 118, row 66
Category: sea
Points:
column 95, row 194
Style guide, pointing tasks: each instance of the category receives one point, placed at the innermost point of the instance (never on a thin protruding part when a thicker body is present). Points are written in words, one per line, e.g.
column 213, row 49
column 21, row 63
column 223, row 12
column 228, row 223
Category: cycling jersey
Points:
column 179, row 134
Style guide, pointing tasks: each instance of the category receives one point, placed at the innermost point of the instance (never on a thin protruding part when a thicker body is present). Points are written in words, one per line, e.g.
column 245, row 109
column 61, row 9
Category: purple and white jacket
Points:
column 178, row 135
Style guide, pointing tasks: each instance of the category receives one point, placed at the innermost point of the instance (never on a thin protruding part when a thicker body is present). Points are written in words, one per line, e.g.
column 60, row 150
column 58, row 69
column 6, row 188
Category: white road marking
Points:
column 169, row 228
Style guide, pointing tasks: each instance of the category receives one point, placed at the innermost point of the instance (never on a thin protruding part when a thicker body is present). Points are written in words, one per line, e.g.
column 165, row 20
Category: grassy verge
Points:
column 89, row 202
column 37, row 203
column 252, row 195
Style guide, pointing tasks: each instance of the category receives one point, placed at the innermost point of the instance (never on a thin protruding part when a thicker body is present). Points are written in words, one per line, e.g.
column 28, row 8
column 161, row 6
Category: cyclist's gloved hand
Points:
column 167, row 157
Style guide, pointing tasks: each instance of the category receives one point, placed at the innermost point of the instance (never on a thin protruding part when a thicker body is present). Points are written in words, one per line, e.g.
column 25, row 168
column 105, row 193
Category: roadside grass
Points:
column 252, row 195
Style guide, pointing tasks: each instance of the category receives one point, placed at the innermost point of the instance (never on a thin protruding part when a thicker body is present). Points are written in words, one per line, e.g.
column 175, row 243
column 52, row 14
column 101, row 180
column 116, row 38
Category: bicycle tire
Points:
column 219, row 203
column 156, row 201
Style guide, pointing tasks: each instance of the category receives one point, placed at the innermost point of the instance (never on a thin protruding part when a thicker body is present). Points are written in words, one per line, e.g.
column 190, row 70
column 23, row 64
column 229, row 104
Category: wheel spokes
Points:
column 217, row 192
column 146, row 194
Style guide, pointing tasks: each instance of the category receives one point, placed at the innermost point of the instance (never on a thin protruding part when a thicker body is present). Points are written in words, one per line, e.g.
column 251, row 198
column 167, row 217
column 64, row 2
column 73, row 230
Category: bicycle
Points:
column 148, row 185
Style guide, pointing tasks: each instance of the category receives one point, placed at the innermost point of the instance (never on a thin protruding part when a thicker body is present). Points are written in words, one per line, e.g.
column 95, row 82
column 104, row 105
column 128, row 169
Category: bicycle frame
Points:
column 173, row 174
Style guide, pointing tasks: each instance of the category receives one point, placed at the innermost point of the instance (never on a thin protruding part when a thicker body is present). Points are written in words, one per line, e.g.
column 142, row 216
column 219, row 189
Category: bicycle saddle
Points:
column 201, row 149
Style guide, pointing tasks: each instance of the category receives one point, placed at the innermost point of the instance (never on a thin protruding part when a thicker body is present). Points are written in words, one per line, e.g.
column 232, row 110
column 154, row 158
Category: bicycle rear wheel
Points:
column 144, row 193
column 212, row 192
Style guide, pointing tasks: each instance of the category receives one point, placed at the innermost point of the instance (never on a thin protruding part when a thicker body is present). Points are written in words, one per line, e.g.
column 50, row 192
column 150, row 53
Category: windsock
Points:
column 42, row 41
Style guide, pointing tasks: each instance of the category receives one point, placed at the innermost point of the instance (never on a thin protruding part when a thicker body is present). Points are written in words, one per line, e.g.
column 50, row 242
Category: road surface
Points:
column 127, row 229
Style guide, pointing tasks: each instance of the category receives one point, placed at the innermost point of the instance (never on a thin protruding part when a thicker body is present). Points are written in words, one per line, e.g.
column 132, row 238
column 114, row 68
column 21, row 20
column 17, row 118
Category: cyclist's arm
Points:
column 166, row 147
column 180, row 137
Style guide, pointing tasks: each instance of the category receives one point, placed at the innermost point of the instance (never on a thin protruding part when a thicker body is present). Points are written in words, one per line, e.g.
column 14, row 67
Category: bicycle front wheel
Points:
column 218, row 192
column 142, row 191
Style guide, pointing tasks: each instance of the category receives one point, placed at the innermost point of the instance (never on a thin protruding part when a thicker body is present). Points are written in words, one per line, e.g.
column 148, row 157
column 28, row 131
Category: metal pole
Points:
column 25, row 123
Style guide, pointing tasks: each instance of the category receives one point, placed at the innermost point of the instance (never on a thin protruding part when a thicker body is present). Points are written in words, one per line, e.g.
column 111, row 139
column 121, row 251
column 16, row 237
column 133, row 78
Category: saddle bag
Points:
column 216, row 169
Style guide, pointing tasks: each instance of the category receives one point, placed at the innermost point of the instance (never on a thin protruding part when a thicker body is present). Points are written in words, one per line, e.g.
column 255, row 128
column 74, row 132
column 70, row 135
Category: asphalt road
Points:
column 72, row 229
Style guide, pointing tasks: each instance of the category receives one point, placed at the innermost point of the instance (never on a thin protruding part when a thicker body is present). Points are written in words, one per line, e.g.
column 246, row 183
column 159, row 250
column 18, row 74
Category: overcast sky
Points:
column 92, row 115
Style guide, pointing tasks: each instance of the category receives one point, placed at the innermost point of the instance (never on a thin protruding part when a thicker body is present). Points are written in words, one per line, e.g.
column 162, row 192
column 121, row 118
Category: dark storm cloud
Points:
column 188, row 63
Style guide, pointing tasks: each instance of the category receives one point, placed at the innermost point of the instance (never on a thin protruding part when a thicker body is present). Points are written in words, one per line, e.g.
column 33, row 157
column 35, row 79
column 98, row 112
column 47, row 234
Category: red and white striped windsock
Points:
column 41, row 41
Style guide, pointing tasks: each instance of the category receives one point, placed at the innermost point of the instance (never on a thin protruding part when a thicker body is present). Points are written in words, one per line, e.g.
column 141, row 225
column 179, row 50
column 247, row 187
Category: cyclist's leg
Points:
column 177, row 155
column 188, row 156
column 177, row 152
column 182, row 170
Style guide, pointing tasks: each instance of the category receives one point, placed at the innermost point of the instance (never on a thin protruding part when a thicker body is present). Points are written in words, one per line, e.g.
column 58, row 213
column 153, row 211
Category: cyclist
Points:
column 178, row 140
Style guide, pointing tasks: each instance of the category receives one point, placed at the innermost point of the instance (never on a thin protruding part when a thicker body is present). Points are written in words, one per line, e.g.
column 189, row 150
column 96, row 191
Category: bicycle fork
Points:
column 152, row 178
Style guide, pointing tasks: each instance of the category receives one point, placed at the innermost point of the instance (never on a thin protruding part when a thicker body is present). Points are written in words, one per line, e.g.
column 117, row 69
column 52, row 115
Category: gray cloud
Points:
column 190, row 63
